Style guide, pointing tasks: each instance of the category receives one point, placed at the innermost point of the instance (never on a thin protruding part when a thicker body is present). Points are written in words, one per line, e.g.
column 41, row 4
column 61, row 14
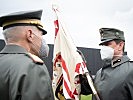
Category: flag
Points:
column 67, row 62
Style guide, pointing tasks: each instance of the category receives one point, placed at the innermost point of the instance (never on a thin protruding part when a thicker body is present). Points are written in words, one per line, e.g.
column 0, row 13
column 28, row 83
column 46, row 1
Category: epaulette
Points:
column 35, row 58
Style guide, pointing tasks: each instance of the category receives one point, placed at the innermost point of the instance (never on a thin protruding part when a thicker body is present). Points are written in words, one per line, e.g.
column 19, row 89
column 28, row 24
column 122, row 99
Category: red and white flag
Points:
column 67, row 62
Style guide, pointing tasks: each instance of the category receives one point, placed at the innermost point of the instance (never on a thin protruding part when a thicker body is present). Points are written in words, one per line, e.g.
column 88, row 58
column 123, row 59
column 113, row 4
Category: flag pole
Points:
column 89, row 79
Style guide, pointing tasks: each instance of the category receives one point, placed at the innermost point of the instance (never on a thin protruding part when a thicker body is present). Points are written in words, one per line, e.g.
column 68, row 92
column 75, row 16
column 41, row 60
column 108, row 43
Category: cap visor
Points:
column 44, row 32
column 105, row 41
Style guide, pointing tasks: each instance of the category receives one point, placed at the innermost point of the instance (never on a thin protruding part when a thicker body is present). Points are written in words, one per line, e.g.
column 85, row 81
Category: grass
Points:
column 84, row 97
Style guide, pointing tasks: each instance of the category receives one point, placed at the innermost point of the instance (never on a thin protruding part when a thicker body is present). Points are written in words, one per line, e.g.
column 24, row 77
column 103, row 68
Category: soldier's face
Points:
column 118, row 47
column 36, row 43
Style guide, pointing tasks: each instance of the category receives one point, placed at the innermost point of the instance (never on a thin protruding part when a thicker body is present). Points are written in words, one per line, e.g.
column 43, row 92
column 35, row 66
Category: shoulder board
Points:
column 35, row 58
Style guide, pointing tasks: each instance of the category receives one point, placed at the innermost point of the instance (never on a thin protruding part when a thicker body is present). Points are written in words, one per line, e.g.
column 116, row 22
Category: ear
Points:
column 29, row 35
column 121, row 45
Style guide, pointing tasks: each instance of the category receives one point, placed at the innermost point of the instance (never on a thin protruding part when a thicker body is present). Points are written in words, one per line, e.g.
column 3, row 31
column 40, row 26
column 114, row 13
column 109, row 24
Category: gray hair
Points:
column 15, row 34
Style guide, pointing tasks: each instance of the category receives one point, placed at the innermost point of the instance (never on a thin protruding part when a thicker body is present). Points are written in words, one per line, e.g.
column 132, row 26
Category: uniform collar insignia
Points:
column 119, row 61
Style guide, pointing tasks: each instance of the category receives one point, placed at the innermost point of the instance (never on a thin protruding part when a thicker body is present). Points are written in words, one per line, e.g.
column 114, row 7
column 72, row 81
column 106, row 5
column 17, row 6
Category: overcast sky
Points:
column 83, row 18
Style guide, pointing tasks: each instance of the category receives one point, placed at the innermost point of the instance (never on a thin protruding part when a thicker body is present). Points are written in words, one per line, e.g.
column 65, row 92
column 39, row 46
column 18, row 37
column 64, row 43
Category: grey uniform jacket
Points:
column 21, row 78
column 115, row 81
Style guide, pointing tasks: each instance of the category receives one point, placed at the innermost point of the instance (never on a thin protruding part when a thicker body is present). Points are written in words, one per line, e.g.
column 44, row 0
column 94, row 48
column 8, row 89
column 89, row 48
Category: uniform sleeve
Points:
column 37, row 84
column 129, row 84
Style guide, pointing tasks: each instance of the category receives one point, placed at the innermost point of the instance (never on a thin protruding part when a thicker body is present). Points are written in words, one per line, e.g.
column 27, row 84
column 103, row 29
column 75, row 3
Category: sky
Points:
column 83, row 18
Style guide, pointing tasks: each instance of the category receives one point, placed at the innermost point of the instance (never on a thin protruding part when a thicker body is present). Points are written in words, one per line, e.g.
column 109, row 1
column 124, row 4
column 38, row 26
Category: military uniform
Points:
column 23, row 76
column 114, row 81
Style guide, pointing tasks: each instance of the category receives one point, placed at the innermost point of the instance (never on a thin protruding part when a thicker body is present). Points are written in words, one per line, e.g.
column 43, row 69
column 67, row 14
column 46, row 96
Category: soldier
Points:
column 23, row 74
column 114, row 81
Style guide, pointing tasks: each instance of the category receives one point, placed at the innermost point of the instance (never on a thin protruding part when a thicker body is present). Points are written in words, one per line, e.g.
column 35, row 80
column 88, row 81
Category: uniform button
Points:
column 119, row 60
